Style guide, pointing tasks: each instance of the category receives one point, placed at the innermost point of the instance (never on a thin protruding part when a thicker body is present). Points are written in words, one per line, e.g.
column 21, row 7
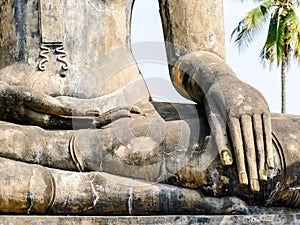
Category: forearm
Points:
column 192, row 25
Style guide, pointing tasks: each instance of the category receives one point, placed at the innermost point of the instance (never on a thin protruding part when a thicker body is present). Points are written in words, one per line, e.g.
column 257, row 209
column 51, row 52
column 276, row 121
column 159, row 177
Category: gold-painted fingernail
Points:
column 94, row 112
column 254, row 184
column 263, row 175
column 270, row 163
column 243, row 178
column 226, row 157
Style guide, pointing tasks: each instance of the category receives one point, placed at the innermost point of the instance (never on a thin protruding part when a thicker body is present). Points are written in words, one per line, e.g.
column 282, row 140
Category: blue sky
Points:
column 146, row 29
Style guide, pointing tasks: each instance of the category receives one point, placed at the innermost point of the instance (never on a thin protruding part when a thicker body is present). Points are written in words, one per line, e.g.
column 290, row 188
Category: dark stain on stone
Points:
column 20, row 27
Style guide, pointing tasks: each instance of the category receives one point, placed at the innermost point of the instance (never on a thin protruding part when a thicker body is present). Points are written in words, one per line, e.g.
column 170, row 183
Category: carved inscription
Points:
column 52, row 35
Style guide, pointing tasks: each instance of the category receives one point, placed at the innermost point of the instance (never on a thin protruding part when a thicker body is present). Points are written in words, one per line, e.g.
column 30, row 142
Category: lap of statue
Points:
column 80, row 134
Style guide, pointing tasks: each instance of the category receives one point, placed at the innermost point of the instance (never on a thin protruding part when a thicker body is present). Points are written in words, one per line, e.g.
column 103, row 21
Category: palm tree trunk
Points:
column 283, row 85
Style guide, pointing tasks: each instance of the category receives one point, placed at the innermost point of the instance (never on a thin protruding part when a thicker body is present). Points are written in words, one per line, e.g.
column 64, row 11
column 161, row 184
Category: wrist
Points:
column 196, row 73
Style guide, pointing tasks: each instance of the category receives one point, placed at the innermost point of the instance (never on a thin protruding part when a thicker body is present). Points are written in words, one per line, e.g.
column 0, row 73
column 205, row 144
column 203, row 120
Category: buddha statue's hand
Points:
column 246, row 113
column 115, row 114
column 99, row 109
column 229, row 103
column 23, row 105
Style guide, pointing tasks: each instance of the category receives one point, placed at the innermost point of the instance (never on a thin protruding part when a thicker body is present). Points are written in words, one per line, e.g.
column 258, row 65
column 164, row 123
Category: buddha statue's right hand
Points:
column 23, row 105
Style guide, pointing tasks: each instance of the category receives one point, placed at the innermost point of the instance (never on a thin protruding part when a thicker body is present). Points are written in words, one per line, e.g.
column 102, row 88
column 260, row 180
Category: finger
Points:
column 236, row 137
column 111, row 116
column 80, row 107
column 92, row 112
column 250, row 151
column 58, row 109
column 46, row 104
column 268, row 140
column 55, row 122
column 259, row 140
column 218, row 131
column 135, row 110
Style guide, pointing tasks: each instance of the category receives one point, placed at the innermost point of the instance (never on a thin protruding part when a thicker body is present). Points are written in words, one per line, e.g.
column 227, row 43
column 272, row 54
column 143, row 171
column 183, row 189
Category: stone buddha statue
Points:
column 80, row 133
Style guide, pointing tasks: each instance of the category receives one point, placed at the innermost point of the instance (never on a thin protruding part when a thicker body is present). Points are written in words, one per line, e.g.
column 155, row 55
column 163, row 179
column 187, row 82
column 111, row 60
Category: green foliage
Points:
column 283, row 39
column 251, row 24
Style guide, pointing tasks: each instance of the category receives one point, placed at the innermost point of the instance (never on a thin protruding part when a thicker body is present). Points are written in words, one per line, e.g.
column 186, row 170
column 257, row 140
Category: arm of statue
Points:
column 23, row 105
column 192, row 26
column 229, row 102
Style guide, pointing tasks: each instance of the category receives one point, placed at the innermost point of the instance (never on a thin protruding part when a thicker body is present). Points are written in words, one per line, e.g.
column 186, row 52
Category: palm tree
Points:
column 283, row 39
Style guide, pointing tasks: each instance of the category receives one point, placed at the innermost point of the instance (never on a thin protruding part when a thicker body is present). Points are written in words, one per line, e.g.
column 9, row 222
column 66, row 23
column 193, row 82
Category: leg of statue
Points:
column 140, row 147
column 34, row 145
column 26, row 188
column 172, row 152
column 286, row 135
column 134, row 147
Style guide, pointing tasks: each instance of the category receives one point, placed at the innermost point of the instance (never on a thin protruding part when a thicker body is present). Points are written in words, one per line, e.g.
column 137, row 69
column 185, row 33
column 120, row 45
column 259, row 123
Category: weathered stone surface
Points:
column 98, row 145
column 99, row 62
column 190, row 27
column 259, row 219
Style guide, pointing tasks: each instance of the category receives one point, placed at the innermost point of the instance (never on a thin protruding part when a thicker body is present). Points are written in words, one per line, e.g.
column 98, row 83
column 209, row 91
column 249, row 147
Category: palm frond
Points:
column 251, row 24
column 280, row 39
column 293, row 24
column 283, row 38
column 280, row 35
column 268, row 51
column 297, row 46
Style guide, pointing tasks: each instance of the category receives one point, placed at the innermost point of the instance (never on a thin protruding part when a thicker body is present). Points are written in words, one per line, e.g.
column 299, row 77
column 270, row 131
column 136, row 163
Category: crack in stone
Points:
column 130, row 200
column 93, row 189
column 31, row 193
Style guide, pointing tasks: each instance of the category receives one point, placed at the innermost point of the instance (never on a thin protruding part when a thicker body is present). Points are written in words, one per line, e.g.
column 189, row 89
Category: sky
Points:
column 147, row 44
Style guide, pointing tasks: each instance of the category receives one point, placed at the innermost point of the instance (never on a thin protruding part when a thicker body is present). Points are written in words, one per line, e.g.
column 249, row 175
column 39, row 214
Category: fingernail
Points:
column 243, row 178
column 263, row 175
column 226, row 158
column 95, row 113
column 254, row 184
column 270, row 163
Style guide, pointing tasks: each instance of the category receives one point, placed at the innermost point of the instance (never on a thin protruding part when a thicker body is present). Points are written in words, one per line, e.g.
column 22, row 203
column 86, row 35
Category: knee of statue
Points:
column 42, row 46
column 25, row 188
